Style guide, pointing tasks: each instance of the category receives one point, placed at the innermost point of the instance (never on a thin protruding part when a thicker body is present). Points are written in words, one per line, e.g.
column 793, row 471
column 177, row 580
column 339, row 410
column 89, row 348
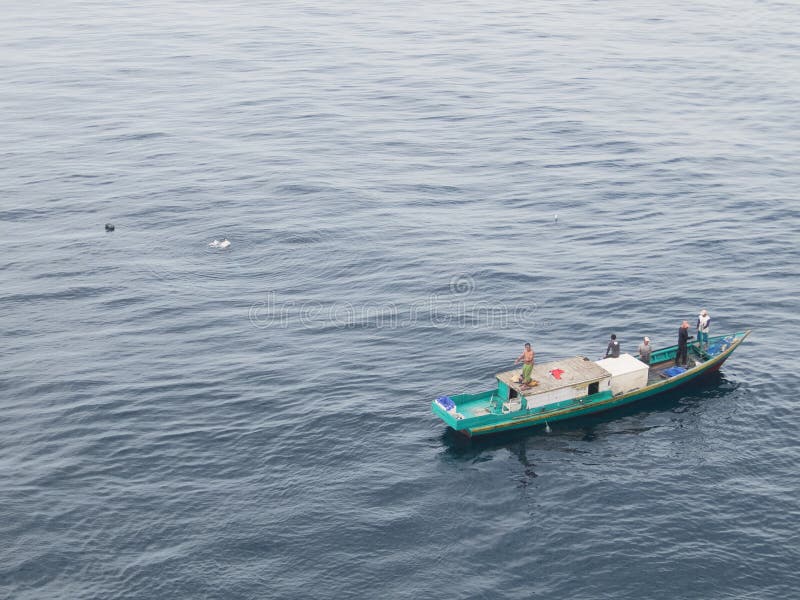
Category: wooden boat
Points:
column 578, row 386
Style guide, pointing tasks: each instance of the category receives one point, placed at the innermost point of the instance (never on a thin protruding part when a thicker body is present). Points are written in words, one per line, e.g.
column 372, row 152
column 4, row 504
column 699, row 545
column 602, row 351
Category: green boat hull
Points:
column 496, row 421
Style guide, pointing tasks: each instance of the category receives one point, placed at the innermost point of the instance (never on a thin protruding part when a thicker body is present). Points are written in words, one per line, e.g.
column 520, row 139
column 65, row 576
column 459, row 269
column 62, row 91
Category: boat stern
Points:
column 444, row 408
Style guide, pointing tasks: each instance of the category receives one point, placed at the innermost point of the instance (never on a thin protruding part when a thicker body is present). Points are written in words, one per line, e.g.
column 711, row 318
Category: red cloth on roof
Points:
column 557, row 373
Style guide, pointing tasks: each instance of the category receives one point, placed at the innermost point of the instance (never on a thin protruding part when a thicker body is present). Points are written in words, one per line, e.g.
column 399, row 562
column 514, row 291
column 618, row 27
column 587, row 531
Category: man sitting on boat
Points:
column 527, row 359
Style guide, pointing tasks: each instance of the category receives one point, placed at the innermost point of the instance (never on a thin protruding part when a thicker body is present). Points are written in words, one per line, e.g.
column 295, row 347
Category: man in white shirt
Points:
column 703, row 327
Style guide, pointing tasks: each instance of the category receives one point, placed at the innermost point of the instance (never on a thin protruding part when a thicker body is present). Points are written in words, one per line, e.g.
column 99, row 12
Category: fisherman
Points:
column 682, row 357
column 526, row 358
column 612, row 351
column 645, row 349
column 703, row 327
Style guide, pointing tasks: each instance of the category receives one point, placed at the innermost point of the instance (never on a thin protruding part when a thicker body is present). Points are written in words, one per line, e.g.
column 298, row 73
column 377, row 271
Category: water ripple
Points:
column 183, row 422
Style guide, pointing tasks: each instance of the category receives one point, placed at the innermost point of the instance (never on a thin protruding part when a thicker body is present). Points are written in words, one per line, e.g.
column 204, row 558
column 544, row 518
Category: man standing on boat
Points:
column 682, row 357
column 703, row 327
column 612, row 351
column 527, row 363
column 645, row 349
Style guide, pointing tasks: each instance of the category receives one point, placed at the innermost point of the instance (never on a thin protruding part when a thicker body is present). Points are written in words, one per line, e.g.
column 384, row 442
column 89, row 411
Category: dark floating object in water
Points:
column 109, row 227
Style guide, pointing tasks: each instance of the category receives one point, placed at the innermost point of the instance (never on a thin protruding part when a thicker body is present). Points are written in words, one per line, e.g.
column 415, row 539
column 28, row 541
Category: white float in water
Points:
column 220, row 244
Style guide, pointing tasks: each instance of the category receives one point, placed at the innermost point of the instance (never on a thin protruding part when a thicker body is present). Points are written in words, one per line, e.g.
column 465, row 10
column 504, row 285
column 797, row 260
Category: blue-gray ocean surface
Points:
column 411, row 190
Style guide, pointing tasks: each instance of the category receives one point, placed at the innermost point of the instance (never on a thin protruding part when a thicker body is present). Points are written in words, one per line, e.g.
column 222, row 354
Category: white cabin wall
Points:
column 627, row 382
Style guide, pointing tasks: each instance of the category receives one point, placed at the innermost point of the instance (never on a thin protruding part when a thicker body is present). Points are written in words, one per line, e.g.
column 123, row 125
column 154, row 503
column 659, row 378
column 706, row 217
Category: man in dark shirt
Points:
column 681, row 357
column 613, row 347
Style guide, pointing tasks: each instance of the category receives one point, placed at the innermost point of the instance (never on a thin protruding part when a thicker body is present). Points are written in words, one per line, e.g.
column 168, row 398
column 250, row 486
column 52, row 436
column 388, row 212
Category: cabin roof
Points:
column 576, row 371
column 623, row 364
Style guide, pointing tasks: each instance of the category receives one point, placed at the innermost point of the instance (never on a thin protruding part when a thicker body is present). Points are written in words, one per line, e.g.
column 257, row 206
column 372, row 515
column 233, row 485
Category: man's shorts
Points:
column 526, row 373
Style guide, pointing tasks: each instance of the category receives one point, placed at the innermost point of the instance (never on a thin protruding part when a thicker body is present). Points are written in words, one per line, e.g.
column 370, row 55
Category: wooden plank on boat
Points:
column 574, row 371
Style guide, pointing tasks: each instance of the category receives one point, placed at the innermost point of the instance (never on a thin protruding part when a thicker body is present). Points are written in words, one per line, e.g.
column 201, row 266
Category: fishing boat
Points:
column 577, row 386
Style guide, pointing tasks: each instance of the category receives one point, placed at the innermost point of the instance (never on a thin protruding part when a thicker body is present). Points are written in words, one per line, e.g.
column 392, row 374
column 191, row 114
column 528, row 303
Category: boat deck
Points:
column 656, row 372
column 579, row 370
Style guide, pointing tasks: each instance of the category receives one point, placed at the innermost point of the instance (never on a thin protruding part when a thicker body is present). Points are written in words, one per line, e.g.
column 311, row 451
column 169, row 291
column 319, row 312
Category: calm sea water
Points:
column 411, row 190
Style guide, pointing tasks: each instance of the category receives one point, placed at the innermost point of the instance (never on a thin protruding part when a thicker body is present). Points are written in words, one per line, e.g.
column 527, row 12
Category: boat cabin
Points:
column 570, row 378
column 628, row 373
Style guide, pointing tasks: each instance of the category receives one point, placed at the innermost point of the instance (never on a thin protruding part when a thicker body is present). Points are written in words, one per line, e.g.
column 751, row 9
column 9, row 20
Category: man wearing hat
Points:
column 644, row 350
column 703, row 327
